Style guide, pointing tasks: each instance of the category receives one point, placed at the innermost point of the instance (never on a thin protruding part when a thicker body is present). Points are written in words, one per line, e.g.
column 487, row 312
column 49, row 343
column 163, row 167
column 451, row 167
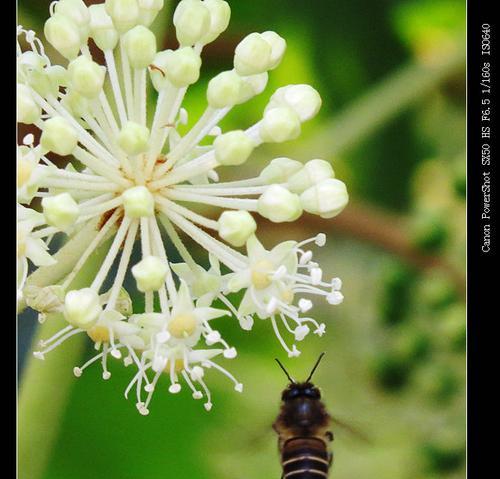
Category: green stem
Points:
column 46, row 386
column 45, row 389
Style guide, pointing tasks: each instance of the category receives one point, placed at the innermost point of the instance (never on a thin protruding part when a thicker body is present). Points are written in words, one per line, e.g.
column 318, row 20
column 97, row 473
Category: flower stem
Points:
column 46, row 386
column 45, row 389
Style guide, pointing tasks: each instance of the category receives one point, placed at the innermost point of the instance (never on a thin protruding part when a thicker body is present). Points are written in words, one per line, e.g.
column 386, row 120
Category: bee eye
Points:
column 312, row 393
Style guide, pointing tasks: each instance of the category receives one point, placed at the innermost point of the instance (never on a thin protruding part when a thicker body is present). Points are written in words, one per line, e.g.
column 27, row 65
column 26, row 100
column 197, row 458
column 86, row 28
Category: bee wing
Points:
column 352, row 430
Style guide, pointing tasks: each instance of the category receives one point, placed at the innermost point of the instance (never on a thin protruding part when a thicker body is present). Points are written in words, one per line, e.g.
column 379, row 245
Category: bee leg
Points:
column 329, row 435
column 330, row 459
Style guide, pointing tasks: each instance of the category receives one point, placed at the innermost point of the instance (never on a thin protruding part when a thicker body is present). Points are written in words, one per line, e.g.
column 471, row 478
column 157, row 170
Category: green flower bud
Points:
column 312, row 173
column 86, row 76
column 77, row 12
column 279, row 205
column 304, row 100
column 148, row 10
column 60, row 211
column 279, row 125
column 224, row 90
column 138, row 202
column 28, row 111
column 125, row 13
column 140, row 45
column 192, row 21
column 77, row 104
column 59, row 136
column 233, row 148
column 49, row 299
column 252, row 86
column 102, row 29
column 180, row 67
column 236, row 227
column 326, row 199
column 42, row 83
column 150, row 274
column 278, row 48
column 133, row 138
column 252, row 55
column 220, row 13
column 62, row 33
column 279, row 170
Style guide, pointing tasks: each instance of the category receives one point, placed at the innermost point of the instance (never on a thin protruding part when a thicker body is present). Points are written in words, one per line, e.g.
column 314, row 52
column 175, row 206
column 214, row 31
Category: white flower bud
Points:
column 150, row 273
column 192, row 21
column 279, row 125
column 236, row 227
column 252, row 55
column 304, row 100
column 102, row 29
column 77, row 12
column 59, row 136
column 326, row 199
column 233, row 148
column 180, row 67
column 138, row 202
column 82, row 308
column 279, row 205
column 77, row 104
column 220, row 13
column 125, row 13
column 86, row 76
column 278, row 48
column 279, row 170
column 28, row 111
column 224, row 90
column 62, row 33
column 60, row 211
column 311, row 174
column 252, row 86
column 140, row 45
column 148, row 10
column 133, row 138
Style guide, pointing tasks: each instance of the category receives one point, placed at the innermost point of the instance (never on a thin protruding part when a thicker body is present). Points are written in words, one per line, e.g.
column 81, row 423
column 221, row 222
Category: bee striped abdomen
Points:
column 305, row 458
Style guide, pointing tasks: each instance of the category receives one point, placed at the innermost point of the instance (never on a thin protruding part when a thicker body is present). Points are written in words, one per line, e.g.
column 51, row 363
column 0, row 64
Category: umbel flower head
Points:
column 129, row 181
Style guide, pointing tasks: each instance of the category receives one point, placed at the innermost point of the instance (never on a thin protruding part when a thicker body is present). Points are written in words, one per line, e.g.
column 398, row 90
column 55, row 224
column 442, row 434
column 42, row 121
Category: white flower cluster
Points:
column 128, row 179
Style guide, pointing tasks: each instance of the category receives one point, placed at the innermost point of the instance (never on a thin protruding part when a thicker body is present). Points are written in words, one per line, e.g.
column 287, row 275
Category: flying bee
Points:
column 303, row 428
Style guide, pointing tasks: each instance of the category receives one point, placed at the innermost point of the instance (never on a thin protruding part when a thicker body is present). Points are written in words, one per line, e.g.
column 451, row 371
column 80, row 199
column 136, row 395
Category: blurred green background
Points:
column 392, row 77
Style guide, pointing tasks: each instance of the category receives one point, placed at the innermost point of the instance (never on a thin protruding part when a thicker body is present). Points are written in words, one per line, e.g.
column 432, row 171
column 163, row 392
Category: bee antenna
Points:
column 315, row 366
column 285, row 371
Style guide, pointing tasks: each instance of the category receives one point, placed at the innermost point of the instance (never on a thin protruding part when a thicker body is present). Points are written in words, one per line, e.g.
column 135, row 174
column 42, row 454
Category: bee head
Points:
column 301, row 390
column 304, row 389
